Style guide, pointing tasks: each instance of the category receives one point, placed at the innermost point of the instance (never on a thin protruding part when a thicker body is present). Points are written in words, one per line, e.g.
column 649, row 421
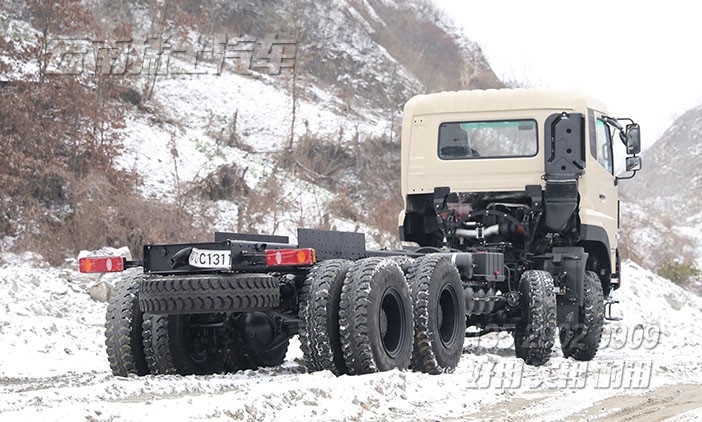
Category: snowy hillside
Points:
column 172, row 155
column 354, row 76
column 665, row 221
column 54, row 367
column 229, row 147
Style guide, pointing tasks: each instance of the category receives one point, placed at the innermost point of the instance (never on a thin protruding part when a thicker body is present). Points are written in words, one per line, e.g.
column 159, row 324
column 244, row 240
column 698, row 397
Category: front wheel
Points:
column 534, row 336
column 582, row 341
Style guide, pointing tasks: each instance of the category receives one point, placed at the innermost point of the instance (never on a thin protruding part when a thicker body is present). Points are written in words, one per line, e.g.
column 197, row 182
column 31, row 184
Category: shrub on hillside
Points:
column 225, row 183
column 319, row 159
column 103, row 214
column 680, row 273
column 363, row 173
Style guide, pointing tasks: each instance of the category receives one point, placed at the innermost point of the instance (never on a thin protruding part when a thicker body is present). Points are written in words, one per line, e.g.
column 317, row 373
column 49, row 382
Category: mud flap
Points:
column 567, row 265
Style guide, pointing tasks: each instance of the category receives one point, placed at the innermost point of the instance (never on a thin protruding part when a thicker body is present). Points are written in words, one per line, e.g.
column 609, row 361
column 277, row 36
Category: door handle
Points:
column 603, row 197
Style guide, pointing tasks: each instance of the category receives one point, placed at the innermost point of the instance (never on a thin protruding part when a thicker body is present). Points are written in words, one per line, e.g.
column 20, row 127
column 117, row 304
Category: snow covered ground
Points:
column 53, row 367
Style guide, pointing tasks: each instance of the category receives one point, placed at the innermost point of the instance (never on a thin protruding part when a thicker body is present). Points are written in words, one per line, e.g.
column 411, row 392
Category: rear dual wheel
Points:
column 141, row 343
column 375, row 317
column 320, row 339
column 366, row 316
column 123, row 332
column 439, row 314
column 184, row 344
column 186, row 327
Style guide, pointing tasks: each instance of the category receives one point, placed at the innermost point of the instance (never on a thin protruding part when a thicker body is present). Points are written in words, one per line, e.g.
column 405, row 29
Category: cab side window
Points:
column 604, row 146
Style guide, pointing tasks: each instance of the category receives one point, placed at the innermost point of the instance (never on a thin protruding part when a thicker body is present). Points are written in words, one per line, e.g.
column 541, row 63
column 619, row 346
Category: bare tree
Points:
column 54, row 18
column 169, row 19
column 293, row 111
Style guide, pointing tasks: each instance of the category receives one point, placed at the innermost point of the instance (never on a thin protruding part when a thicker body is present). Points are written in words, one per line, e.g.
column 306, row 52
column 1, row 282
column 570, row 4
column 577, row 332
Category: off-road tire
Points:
column 123, row 332
column 439, row 314
column 320, row 340
column 156, row 347
column 208, row 293
column 534, row 337
column 375, row 317
column 582, row 342
column 404, row 261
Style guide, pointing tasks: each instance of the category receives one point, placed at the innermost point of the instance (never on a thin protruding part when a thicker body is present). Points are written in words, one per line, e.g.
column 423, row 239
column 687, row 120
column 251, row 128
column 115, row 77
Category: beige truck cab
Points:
column 528, row 177
column 503, row 141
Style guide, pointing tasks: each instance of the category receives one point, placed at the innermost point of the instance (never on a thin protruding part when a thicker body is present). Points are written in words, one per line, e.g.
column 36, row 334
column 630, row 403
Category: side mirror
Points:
column 633, row 163
column 633, row 140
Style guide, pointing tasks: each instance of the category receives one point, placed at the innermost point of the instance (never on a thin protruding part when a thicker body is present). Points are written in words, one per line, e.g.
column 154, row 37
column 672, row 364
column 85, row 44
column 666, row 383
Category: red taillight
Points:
column 290, row 257
column 102, row 264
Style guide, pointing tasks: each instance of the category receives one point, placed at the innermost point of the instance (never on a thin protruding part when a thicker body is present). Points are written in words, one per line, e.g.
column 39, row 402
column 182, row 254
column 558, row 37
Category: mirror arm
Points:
column 614, row 122
column 618, row 178
column 626, row 119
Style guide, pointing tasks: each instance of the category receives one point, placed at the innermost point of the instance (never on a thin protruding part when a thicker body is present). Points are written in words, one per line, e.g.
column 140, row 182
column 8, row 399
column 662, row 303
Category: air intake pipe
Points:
column 503, row 229
column 479, row 232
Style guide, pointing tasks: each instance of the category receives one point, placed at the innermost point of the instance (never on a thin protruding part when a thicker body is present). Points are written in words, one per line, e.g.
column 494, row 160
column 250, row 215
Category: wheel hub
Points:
column 447, row 315
column 391, row 321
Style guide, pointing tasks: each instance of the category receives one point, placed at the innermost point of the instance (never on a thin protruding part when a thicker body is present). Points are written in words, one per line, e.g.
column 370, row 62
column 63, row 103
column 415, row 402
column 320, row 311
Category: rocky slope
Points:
column 217, row 145
column 661, row 214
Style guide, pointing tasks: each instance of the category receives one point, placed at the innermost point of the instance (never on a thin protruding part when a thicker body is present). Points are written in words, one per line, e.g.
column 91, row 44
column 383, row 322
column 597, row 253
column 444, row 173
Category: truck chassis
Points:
column 531, row 250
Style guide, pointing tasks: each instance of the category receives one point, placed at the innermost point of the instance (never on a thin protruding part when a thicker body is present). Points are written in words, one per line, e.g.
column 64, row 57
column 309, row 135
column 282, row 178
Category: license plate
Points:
column 204, row 258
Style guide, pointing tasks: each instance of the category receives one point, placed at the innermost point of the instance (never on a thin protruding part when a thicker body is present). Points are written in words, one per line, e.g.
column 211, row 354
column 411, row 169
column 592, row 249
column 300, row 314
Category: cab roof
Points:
column 500, row 100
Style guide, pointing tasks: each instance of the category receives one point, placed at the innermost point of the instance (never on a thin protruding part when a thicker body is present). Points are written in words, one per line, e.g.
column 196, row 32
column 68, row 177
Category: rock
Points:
column 101, row 291
column 38, row 310
column 673, row 301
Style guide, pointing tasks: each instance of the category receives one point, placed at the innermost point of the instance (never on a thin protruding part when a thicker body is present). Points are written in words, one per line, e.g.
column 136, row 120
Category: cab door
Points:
column 607, row 201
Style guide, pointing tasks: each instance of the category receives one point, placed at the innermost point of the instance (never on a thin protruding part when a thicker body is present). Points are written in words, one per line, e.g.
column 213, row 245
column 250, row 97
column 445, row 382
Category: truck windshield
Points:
column 495, row 139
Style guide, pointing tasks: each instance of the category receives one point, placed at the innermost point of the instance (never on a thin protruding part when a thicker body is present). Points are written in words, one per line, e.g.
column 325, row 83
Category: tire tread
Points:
column 208, row 293
column 592, row 320
column 123, row 328
column 539, row 333
column 319, row 314
column 419, row 278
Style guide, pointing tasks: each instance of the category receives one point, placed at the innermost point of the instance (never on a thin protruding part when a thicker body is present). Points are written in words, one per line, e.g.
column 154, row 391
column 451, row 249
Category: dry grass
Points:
column 364, row 174
column 102, row 214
